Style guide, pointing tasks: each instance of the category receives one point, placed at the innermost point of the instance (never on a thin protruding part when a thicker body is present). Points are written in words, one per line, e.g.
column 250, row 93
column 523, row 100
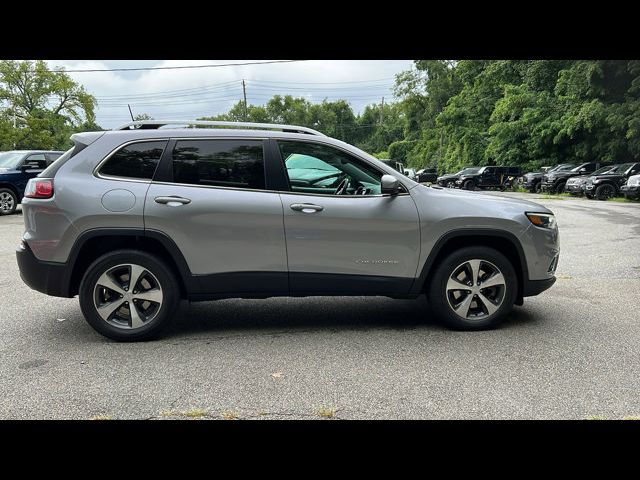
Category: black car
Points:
column 554, row 182
column 532, row 180
column 449, row 180
column 427, row 175
column 575, row 185
column 632, row 188
column 607, row 185
column 489, row 177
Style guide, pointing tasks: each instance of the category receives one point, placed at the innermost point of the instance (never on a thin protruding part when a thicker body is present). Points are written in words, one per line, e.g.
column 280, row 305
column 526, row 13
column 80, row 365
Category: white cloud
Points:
column 141, row 89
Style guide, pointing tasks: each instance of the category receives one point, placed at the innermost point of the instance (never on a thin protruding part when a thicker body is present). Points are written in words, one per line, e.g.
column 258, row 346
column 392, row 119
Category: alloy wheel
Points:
column 6, row 202
column 127, row 296
column 475, row 289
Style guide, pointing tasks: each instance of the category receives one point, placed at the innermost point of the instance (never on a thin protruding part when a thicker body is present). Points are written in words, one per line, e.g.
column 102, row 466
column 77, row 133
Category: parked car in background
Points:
column 632, row 188
column 532, row 180
column 16, row 168
column 396, row 165
column 554, row 182
column 135, row 219
column 449, row 180
column 489, row 177
column 427, row 175
column 575, row 185
column 606, row 185
column 411, row 173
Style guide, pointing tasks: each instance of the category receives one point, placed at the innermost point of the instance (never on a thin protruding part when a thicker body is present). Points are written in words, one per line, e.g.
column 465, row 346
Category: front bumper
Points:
column 574, row 189
column 532, row 288
column 630, row 191
column 547, row 186
column 45, row 277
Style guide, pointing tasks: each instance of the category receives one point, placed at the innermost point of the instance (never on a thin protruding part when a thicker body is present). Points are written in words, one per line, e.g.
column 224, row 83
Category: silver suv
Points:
column 134, row 219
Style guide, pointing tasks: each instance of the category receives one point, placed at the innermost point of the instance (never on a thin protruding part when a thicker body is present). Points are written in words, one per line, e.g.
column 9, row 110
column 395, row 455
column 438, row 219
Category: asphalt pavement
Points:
column 570, row 353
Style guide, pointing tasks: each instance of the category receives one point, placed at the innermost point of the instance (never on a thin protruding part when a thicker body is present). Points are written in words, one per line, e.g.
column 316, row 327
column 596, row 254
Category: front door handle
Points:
column 173, row 201
column 306, row 207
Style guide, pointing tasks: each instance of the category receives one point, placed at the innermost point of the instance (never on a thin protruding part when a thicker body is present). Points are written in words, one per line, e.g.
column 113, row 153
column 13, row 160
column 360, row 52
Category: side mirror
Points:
column 389, row 185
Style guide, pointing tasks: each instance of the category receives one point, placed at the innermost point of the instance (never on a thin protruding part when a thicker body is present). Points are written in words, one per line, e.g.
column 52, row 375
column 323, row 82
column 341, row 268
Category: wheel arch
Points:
column 503, row 241
column 11, row 187
column 96, row 242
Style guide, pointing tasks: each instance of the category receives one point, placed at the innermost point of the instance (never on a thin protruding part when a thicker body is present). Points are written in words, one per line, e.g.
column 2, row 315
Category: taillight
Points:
column 39, row 188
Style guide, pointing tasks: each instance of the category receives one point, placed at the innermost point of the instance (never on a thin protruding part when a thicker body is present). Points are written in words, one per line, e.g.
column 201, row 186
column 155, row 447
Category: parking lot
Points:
column 572, row 352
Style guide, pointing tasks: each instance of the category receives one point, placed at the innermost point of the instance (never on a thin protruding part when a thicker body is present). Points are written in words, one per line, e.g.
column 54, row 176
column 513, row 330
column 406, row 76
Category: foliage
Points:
column 41, row 108
column 373, row 130
column 515, row 112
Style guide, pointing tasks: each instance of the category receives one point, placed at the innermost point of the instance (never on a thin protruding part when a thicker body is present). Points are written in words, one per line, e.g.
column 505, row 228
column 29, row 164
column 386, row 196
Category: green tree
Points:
column 41, row 108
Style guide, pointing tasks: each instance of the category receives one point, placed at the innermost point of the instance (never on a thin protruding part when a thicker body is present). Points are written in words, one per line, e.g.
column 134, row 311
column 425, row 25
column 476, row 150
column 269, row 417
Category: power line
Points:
column 90, row 70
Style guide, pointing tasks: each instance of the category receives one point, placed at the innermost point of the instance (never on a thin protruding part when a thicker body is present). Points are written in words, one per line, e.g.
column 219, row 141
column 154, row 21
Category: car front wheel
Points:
column 8, row 201
column 473, row 288
column 606, row 191
column 129, row 295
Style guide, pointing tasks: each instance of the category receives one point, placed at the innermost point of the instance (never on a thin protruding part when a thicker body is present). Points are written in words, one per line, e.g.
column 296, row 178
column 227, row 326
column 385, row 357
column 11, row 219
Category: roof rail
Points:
column 155, row 124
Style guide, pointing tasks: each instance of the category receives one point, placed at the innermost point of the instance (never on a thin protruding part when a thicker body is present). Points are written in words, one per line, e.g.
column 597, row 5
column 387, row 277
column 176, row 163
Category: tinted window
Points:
column 51, row 157
column 37, row 160
column 316, row 168
column 489, row 170
column 136, row 160
column 221, row 163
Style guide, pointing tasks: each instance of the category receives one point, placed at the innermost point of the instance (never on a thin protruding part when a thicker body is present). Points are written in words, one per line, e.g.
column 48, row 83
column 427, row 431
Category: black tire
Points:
column 537, row 188
column 437, row 291
column 8, row 201
column 469, row 185
column 451, row 184
column 605, row 191
column 152, row 264
column 560, row 187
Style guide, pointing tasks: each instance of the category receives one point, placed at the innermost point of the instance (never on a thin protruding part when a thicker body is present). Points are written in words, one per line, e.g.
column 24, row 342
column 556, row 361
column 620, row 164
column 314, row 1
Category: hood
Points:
column 533, row 174
column 578, row 179
column 448, row 176
column 486, row 203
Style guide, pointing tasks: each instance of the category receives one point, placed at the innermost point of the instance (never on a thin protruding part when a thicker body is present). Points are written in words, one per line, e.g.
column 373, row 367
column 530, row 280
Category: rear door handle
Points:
column 306, row 207
column 173, row 201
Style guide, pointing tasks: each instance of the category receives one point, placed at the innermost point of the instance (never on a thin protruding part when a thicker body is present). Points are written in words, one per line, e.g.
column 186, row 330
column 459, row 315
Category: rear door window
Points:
column 219, row 163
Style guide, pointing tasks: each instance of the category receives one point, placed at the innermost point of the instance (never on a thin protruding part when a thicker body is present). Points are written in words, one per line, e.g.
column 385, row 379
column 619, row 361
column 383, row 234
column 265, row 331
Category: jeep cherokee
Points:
column 134, row 219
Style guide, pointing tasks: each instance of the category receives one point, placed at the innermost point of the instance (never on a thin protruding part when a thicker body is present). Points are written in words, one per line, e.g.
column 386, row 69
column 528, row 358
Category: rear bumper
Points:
column 532, row 288
column 46, row 277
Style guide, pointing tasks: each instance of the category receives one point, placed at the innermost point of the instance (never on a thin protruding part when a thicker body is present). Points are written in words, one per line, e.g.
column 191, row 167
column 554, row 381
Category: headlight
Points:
column 543, row 220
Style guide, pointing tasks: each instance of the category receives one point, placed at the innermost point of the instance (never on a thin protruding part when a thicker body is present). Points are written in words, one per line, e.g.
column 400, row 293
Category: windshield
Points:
column 10, row 159
column 562, row 167
column 620, row 168
column 467, row 171
column 606, row 169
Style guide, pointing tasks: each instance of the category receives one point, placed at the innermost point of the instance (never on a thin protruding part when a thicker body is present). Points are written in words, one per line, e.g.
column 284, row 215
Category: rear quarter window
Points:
column 135, row 160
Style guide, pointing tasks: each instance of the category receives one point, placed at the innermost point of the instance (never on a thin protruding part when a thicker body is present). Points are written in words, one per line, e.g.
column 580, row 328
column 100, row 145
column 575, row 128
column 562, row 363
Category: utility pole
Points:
column 244, row 93
column 382, row 111
column 130, row 112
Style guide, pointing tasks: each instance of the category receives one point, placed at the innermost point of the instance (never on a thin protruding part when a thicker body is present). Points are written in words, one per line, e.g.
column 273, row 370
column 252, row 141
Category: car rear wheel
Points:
column 604, row 192
column 473, row 288
column 560, row 187
column 129, row 295
column 8, row 201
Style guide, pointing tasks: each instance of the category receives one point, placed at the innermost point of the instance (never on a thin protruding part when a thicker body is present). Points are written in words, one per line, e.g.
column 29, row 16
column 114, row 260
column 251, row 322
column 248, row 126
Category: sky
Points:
column 192, row 93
